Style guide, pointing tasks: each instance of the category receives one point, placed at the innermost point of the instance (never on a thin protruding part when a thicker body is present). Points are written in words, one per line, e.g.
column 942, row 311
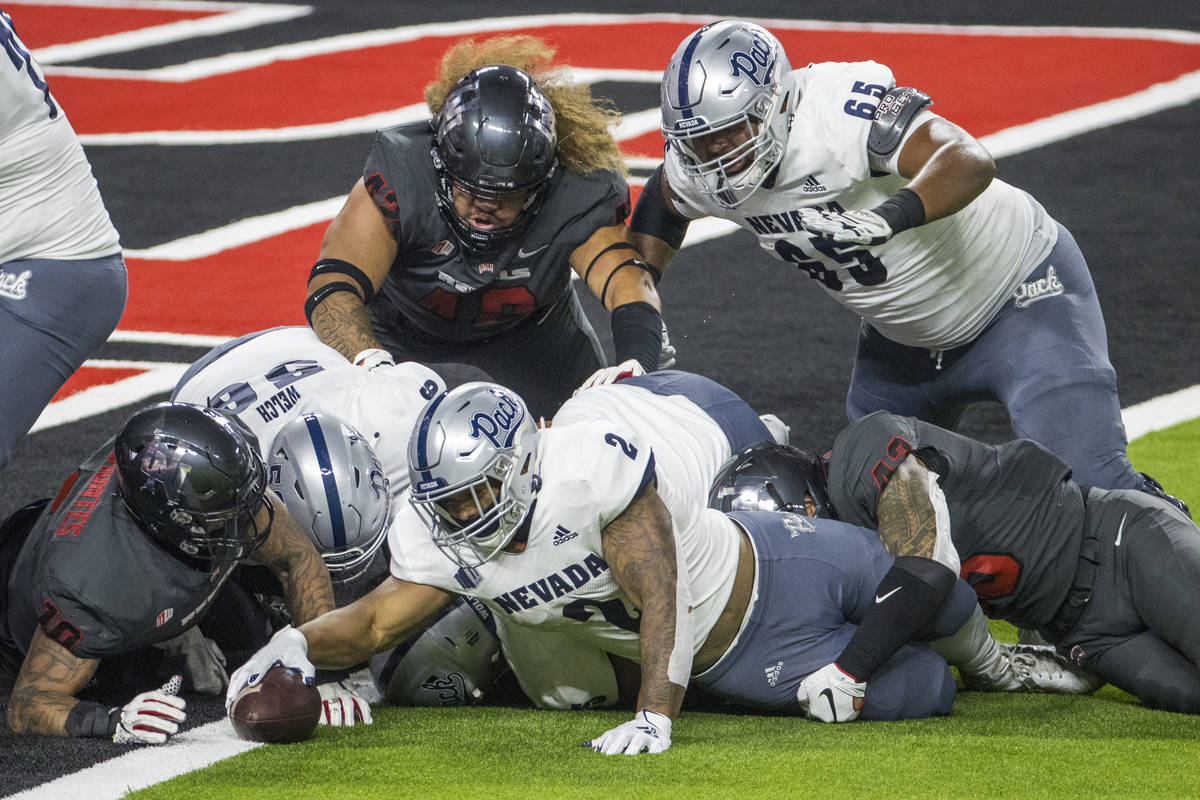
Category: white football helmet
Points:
column 475, row 445
column 334, row 487
column 731, row 78
column 451, row 663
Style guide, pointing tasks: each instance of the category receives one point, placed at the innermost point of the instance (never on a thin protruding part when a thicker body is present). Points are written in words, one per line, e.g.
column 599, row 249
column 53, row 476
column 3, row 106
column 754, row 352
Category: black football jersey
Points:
column 96, row 583
column 1016, row 520
column 447, row 292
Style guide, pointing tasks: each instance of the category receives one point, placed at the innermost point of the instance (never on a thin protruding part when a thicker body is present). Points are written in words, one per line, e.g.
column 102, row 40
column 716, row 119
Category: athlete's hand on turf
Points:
column 846, row 227
column 629, row 368
column 288, row 648
column 649, row 731
column 152, row 717
column 830, row 695
column 374, row 357
column 341, row 705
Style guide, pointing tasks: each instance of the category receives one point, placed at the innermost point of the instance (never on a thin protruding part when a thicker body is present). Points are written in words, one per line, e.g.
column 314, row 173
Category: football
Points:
column 280, row 709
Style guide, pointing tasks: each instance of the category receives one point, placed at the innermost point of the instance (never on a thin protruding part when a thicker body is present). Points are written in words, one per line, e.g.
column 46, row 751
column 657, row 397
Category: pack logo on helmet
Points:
column 500, row 425
column 757, row 65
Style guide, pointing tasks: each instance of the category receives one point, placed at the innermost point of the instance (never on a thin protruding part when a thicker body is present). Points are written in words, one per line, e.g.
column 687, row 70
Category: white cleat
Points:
column 1034, row 668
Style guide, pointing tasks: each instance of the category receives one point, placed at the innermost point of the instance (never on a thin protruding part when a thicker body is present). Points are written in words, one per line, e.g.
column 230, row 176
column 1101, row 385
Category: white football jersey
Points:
column 590, row 473
column 936, row 285
column 278, row 375
column 49, row 204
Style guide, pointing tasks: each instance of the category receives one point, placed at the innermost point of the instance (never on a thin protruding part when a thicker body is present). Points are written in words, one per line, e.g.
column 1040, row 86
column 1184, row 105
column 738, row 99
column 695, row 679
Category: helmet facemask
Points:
column 729, row 80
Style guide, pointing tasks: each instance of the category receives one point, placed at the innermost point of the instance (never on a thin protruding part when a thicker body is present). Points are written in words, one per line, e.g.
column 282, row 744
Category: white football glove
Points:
column 830, row 695
column 846, row 227
column 288, row 648
column 203, row 661
column 649, row 731
column 152, row 717
column 630, row 368
column 341, row 705
column 666, row 356
column 373, row 357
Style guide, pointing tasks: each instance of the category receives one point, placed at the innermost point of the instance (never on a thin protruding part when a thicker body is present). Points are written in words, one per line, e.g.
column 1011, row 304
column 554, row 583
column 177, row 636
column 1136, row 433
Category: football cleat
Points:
column 1033, row 668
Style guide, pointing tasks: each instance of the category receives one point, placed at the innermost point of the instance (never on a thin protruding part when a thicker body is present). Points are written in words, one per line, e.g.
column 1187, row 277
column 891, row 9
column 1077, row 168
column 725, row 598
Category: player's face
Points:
column 487, row 210
column 468, row 505
column 719, row 143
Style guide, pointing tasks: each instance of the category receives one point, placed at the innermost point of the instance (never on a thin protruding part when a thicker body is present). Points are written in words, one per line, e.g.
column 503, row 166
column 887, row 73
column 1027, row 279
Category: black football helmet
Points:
column 772, row 477
column 494, row 135
column 194, row 481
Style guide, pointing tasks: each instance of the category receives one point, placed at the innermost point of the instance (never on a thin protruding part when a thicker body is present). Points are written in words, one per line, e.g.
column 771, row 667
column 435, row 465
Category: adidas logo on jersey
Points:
column 1030, row 292
column 562, row 535
column 14, row 285
column 773, row 673
column 812, row 186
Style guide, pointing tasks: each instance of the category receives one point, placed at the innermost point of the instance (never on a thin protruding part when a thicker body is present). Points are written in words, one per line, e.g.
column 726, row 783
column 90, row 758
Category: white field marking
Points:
column 1161, row 412
column 248, row 59
column 109, row 780
column 232, row 17
column 167, row 337
column 159, row 377
column 1169, row 93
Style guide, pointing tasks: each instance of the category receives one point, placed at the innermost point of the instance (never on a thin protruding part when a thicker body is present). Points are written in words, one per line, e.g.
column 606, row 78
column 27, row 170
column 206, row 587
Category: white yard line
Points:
column 109, row 780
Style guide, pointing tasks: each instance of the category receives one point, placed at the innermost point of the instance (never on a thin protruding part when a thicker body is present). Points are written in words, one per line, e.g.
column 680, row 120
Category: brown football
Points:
column 281, row 708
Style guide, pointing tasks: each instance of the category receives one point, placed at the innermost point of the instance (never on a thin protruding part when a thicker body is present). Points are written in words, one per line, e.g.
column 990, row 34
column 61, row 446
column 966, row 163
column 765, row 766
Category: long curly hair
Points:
column 585, row 143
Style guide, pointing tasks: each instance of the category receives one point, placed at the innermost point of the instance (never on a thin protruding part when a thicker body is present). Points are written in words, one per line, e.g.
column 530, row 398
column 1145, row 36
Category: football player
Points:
column 596, row 529
column 459, row 241
column 136, row 550
column 1109, row 576
column 62, row 278
column 966, row 286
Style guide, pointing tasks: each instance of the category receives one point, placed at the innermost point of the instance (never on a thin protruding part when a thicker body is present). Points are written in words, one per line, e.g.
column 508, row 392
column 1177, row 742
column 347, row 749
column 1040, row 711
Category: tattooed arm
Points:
column 913, row 518
column 290, row 554
column 639, row 547
column 44, row 692
column 358, row 236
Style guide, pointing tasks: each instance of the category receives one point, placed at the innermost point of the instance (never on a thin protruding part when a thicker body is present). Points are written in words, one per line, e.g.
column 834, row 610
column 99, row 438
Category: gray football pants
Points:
column 1044, row 357
column 53, row 315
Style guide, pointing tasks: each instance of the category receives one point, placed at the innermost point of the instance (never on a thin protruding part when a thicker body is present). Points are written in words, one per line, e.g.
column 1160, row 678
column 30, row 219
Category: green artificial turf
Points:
column 993, row 746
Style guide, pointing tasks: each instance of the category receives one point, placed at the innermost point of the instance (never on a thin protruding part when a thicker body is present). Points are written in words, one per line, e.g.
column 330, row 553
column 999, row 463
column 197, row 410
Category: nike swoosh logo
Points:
column 523, row 253
column 828, row 695
column 879, row 599
column 1120, row 530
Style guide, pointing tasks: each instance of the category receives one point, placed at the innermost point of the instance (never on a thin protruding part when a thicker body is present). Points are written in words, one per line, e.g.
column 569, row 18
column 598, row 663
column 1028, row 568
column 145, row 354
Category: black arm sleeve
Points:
column 908, row 599
column 652, row 217
column 637, row 334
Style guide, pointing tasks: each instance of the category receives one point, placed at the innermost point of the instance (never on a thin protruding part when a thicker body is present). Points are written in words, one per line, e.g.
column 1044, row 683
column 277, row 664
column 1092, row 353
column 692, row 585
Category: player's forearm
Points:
column 342, row 638
column 956, row 175
column 35, row 712
column 307, row 589
column 342, row 322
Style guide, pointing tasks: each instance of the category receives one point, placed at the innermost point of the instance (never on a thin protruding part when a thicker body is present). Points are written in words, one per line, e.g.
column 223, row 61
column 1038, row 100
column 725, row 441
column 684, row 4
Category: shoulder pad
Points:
column 896, row 110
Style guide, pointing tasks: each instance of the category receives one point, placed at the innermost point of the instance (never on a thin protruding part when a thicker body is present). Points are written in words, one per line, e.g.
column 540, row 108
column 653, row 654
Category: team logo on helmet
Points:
column 757, row 65
column 500, row 425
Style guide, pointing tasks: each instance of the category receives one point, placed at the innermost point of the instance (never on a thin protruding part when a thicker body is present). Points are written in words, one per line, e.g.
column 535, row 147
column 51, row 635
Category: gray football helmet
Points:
column 731, row 77
column 474, row 449
column 334, row 487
